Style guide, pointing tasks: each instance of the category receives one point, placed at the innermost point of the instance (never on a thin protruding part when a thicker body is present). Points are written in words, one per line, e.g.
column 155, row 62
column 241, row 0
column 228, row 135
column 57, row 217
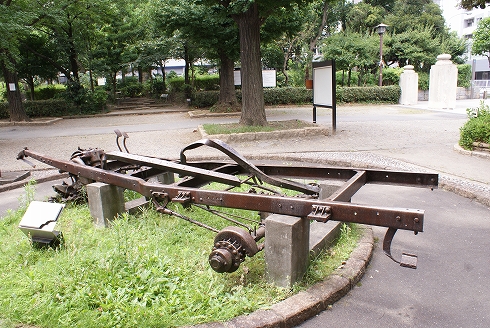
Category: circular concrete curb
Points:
column 34, row 122
column 463, row 151
column 251, row 136
column 306, row 304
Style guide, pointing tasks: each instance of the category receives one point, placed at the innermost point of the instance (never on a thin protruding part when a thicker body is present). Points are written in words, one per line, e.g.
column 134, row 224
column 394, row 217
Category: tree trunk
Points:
column 16, row 107
column 30, row 82
column 227, row 94
column 253, row 110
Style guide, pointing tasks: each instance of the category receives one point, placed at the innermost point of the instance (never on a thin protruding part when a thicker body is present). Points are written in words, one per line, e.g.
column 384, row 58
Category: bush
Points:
column 49, row 108
column 477, row 128
column 130, row 87
column 287, row 96
column 464, row 75
column 205, row 98
column 300, row 96
column 156, row 86
column 4, row 110
column 423, row 81
column 201, row 83
column 391, row 76
column 390, row 94
column 47, row 92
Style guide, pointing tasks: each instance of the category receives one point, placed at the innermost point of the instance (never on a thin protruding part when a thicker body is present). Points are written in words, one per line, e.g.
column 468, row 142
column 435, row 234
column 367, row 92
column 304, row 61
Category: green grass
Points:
column 239, row 128
column 149, row 270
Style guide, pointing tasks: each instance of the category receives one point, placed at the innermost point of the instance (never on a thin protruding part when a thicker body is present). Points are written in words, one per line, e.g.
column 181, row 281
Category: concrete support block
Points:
column 105, row 202
column 166, row 178
column 409, row 85
column 443, row 83
column 286, row 249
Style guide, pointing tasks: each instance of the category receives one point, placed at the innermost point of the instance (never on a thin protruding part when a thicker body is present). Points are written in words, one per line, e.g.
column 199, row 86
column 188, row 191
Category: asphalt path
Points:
column 450, row 287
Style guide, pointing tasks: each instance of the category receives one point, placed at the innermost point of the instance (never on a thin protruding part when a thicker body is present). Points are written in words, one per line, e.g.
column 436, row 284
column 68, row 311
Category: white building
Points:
column 464, row 22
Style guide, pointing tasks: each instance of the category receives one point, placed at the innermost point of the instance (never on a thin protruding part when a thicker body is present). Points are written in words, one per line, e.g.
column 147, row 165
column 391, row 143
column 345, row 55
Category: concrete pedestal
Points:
column 443, row 83
column 409, row 85
column 286, row 249
column 105, row 202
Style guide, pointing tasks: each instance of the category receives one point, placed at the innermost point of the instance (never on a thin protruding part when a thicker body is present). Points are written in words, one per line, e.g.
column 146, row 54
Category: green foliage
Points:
column 415, row 46
column 424, row 78
column 200, row 83
column 205, row 98
column 477, row 128
column 156, row 86
column 464, row 75
column 287, row 96
column 145, row 271
column 390, row 94
column 240, row 128
column 43, row 108
column 481, row 38
column 130, row 87
column 391, row 76
column 47, row 92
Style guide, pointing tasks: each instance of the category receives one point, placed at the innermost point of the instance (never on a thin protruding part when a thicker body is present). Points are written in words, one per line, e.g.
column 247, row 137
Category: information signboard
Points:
column 324, row 88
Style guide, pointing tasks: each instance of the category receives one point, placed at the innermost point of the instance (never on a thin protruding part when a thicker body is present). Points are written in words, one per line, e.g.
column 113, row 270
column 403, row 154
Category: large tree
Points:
column 13, row 19
column 209, row 28
column 249, row 16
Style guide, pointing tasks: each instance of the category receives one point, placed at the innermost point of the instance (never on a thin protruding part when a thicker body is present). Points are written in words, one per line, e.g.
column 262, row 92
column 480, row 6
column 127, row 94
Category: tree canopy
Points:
column 106, row 38
column 481, row 39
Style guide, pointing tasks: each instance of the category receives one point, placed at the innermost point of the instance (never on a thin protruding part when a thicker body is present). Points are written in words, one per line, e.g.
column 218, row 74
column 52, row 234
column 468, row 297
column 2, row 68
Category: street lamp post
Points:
column 381, row 29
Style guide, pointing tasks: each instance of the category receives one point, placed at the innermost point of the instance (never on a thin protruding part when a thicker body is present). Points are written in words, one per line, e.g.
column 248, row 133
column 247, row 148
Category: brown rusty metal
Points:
column 132, row 171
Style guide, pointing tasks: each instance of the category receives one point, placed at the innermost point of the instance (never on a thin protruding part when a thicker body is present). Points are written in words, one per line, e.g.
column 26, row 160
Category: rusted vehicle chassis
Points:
column 131, row 171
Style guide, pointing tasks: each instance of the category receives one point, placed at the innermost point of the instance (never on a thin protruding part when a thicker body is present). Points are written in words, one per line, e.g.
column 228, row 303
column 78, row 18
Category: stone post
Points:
column 286, row 249
column 105, row 202
column 443, row 83
column 409, row 84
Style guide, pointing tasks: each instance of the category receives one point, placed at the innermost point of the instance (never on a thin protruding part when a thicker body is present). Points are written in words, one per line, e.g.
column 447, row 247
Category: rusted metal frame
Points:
column 402, row 178
column 197, row 182
column 398, row 218
column 345, row 193
column 174, row 167
column 413, row 179
column 248, row 166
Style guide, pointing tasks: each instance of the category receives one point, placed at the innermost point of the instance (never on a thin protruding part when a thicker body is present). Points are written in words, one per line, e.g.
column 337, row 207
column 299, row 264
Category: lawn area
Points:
column 240, row 128
column 149, row 270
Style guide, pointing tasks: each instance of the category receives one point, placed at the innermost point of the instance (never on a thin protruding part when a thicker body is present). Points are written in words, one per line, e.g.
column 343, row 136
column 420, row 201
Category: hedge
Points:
column 43, row 108
column 290, row 96
column 201, row 99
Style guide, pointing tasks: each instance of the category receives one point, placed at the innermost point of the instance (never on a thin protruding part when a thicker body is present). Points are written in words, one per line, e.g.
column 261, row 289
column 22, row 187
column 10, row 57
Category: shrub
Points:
column 423, row 81
column 156, row 86
column 464, row 75
column 130, row 87
column 389, row 94
column 205, row 98
column 287, row 96
column 4, row 110
column 477, row 128
column 201, row 83
column 391, row 76
column 43, row 108
column 175, row 84
column 47, row 92
column 49, row 108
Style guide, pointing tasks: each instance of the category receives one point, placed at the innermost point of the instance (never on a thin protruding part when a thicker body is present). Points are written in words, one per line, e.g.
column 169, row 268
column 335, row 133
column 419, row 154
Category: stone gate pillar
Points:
column 443, row 83
column 409, row 85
